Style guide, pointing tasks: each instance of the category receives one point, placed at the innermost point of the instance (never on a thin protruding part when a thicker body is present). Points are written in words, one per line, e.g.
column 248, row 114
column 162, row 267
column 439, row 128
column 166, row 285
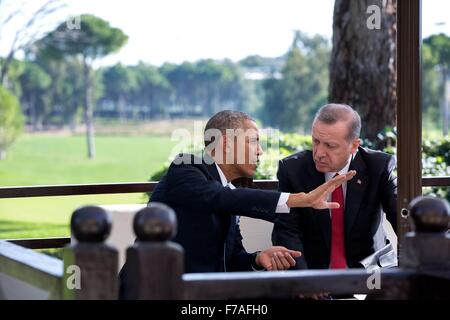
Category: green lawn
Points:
column 49, row 160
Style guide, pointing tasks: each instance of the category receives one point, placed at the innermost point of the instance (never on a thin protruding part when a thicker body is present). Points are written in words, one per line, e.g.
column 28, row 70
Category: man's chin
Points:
column 322, row 168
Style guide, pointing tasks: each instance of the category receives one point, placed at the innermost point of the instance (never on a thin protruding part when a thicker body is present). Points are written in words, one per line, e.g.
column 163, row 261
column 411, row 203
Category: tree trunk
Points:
column 88, row 109
column 33, row 112
column 5, row 69
column 2, row 154
column 363, row 61
column 445, row 106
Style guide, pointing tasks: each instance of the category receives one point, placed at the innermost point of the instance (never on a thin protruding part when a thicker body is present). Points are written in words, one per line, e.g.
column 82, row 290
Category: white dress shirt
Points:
column 282, row 206
column 344, row 170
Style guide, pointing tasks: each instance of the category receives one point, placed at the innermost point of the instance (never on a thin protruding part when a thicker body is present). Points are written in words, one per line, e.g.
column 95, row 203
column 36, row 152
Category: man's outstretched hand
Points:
column 317, row 198
column 277, row 258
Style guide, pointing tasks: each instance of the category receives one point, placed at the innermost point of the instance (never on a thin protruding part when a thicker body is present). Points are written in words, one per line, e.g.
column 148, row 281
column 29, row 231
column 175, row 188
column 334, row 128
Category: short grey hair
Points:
column 334, row 112
column 226, row 119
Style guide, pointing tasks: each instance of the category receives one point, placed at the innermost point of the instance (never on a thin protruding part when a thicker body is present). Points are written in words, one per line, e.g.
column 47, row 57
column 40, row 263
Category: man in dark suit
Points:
column 337, row 238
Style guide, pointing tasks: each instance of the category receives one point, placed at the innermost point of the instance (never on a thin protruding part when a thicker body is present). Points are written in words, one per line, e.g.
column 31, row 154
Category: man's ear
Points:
column 355, row 144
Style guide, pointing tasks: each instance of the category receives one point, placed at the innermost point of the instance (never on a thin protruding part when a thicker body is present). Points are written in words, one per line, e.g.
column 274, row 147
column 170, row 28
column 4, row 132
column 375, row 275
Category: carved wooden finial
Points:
column 90, row 224
column 430, row 214
column 157, row 222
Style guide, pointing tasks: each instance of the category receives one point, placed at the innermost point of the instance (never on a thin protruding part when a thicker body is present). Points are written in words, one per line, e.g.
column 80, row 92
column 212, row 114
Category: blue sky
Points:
column 179, row 30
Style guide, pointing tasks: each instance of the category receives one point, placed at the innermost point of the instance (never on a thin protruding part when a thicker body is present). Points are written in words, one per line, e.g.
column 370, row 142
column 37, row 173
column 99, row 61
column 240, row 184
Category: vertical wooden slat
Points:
column 409, row 113
column 90, row 265
column 155, row 265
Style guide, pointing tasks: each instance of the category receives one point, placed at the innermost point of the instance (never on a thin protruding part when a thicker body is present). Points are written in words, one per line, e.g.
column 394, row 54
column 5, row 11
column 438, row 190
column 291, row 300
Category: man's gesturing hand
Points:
column 277, row 258
column 317, row 198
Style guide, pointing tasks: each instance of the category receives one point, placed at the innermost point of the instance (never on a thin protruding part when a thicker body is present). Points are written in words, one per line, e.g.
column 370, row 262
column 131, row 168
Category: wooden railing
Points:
column 290, row 284
column 23, row 268
column 156, row 265
column 42, row 243
column 144, row 187
column 140, row 187
column 425, row 260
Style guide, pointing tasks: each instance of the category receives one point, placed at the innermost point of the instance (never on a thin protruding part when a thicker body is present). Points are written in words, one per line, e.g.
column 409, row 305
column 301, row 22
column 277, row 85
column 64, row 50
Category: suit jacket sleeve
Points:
column 388, row 192
column 240, row 259
column 286, row 230
column 188, row 186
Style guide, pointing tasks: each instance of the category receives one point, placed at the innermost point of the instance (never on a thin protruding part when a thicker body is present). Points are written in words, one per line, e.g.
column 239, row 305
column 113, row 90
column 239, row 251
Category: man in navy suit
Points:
column 337, row 238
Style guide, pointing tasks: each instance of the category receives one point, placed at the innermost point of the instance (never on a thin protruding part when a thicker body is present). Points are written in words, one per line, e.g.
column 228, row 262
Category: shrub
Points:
column 435, row 155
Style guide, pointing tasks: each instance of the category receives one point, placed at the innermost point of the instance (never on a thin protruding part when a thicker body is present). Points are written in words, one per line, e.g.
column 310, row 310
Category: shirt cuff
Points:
column 255, row 267
column 282, row 206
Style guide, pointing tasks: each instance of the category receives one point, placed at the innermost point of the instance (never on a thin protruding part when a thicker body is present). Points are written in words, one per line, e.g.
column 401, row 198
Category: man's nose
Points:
column 319, row 152
column 260, row 150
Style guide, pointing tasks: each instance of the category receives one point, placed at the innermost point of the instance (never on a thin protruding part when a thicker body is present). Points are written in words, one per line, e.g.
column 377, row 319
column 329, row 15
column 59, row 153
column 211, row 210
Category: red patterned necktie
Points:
column 337, row 260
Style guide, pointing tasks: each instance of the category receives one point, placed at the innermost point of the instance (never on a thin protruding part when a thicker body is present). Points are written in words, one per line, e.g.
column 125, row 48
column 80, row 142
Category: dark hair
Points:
column 224, row 120
column 334, row 112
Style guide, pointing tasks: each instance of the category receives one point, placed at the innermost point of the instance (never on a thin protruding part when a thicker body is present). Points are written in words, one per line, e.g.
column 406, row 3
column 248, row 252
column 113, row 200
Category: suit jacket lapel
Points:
column 356, row 189
column 315, row 179
column 211, row 168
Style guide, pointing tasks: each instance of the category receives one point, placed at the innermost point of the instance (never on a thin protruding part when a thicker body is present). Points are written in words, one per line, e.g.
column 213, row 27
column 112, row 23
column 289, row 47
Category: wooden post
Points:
column 427, row 249
column 155, row 265
column 409, row 112
column 90, row 265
